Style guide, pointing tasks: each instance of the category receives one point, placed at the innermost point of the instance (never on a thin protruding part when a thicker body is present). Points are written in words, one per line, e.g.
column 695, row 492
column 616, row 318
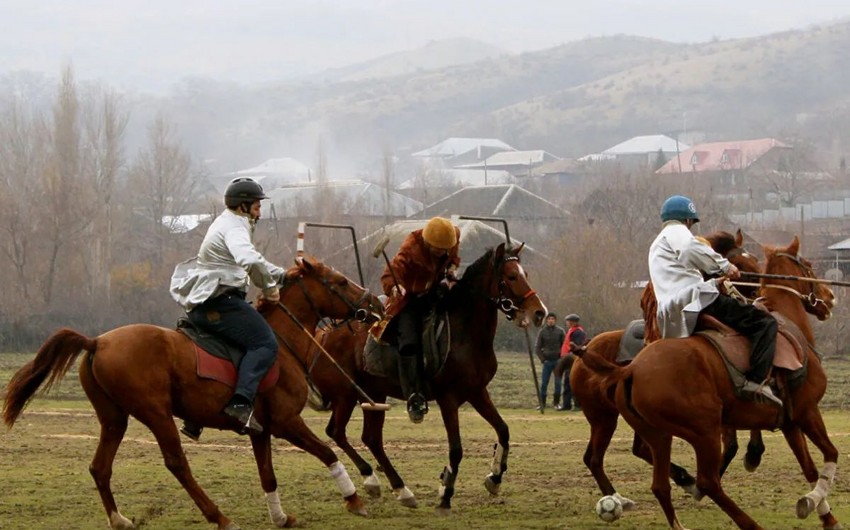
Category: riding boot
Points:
column 408, row 377
column 192, row 430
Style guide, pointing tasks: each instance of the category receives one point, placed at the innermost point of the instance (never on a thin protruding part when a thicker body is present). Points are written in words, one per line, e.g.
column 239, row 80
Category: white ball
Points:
column 609, row 508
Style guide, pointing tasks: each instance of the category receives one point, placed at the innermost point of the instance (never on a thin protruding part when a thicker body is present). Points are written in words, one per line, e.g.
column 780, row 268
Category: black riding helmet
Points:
column 242, row 189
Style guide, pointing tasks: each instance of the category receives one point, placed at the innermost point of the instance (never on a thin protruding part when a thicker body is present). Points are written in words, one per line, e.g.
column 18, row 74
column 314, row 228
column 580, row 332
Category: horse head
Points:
column 513, row 294
column 817, row 298
column 330, row 293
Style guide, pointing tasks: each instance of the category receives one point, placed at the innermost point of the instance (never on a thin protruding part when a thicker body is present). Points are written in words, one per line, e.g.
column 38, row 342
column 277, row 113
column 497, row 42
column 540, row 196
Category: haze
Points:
column 150, row 45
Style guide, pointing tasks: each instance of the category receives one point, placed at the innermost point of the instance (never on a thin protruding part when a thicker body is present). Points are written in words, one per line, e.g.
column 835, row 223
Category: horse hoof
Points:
column 409, row 502
column 291, row 522
column 694, row 492
column 836, row 526
column 356, row 507
column 491, row 486
column 372, row 485
column 230, row 526
column 119, row 522
column 805, row 506
column 627, row 504
column 443, row 511
column 372, row 490
column 751, row 464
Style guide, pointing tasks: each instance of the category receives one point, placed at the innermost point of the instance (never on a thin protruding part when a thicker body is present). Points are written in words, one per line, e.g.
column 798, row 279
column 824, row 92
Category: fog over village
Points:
column 121, row 124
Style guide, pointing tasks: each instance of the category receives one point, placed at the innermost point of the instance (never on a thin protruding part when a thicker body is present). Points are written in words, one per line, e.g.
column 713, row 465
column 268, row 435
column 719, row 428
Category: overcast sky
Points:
column 151, row 44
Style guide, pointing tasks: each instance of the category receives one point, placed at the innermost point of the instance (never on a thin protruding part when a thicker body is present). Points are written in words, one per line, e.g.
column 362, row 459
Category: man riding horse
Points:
column 426, row 263
column 677, row 261
column 212, row 288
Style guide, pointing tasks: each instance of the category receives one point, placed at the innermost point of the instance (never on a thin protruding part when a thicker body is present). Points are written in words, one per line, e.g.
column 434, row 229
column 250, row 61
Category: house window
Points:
column 724, row 158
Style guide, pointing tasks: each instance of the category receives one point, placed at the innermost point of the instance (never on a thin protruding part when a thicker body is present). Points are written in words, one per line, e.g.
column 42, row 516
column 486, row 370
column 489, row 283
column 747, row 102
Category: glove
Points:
column 398, row 291
column 722, row 285
column 732, row 272
column 451, row 274
column 272, row 294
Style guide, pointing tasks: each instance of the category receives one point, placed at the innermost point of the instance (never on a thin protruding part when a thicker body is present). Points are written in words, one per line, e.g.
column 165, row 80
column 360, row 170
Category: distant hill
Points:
column 432, row 56
column 572, row 99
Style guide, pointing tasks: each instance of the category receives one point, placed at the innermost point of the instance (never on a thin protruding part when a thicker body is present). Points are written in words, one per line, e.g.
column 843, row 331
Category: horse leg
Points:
column 261, row 444
column 730, row 447
column 602, row 427
column 811, row 423
column 113, row 425
column 709, row 460
column 340, row 416
column 373, row 437
column 755, row 448
column 165, row 431
column 297, row 432
column 485, row 408
column 448, row 409
column 680, row 475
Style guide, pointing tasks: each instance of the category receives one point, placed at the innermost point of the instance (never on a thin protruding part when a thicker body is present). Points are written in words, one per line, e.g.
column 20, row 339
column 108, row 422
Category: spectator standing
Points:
column 575, row 339
column 548, row 349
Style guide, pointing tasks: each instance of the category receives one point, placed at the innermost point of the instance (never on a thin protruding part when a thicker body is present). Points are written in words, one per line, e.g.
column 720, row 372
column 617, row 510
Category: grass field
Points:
column 44, row 479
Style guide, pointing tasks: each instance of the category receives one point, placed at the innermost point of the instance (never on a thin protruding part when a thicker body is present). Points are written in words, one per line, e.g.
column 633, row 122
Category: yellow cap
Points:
column 440, row 233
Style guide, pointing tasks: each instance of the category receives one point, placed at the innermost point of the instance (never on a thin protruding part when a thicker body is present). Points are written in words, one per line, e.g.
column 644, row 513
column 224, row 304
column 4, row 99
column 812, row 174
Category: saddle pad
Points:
column 223, row 371
column 631, row 342
column 736, row 348
column 381, row 358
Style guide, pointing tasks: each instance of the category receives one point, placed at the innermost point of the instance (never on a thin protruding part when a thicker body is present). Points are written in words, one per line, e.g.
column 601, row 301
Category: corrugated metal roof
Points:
column 352, row 197
column 646, row 144
column 841, row 245
column 457, row 146
column 515, row 158
column 508, row 201
column 180, row 224
column 718, row 156
column 458, row 177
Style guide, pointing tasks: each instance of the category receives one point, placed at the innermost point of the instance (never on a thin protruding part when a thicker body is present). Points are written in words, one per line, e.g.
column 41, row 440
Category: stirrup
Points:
column 417, row 407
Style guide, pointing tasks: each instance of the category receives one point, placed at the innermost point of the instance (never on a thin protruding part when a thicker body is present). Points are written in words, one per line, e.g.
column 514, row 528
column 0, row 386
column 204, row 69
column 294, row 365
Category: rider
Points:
column 676, row 263
column 212, row 290
column 426, row 258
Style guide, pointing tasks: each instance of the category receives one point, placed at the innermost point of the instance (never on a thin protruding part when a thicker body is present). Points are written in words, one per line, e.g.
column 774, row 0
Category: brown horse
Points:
column 598, row 405
column 149, row 373
column 495, row 281
column 658, row 409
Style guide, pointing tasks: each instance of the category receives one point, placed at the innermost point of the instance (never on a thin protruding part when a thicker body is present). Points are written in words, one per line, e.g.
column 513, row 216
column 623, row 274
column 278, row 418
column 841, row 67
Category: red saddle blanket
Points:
column 223, row 371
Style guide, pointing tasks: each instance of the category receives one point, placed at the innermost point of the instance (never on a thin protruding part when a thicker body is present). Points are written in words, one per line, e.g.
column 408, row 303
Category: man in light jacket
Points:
column 677, row 262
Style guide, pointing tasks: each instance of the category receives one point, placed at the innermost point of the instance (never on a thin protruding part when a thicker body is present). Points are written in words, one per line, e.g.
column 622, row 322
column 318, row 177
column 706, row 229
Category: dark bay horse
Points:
column 659, row 409
column 598, row 404
column 495, row 280
column 149, row 372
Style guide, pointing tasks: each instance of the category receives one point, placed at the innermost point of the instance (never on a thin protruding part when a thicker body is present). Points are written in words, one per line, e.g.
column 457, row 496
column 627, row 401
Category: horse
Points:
column 495, row 281
column 149, row 372
column 601, row 412
column 658, row 410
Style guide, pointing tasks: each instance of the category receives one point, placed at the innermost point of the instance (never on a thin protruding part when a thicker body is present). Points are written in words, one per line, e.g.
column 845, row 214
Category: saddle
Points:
column 734, row 349
column 218, row 359
column 381, row 358
column 631, row 342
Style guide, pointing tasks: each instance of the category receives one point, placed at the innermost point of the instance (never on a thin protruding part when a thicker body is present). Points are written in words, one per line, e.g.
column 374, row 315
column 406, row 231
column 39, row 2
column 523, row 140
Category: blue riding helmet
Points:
column 679, row 208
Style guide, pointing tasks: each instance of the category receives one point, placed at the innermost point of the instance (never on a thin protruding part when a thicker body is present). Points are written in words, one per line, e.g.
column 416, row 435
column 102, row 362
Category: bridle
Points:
column 810, row 300
column 503, row 301
column 358, row 311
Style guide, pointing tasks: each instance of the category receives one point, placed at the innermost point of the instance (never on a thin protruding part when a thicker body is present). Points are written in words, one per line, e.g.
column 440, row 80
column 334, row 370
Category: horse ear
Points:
column 305, row 263
column 739, row 238
column 500, row 252
column 520, row 249
column 794, row 247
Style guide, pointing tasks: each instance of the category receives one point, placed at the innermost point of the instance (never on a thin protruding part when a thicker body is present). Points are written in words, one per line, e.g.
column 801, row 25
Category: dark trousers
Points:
column 231, row 317
column 565, row 364
column 757, row 325
column 409, row 329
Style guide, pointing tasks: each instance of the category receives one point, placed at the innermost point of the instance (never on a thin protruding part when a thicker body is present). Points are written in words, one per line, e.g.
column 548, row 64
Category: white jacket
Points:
column 227, row 258
column 677, row 261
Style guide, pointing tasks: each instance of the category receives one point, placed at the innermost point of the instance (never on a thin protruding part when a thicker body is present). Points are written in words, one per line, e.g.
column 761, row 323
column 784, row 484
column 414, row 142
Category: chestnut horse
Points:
column 149, row 372
column 697, row 412
column 495, row 281
column 599, row 408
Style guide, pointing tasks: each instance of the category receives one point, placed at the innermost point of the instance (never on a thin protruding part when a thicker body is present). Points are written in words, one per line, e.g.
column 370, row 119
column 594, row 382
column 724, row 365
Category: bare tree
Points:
column 161, row 182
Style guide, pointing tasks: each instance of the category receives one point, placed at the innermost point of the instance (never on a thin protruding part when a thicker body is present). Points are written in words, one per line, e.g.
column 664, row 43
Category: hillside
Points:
column 573, row 99
column 432, row 56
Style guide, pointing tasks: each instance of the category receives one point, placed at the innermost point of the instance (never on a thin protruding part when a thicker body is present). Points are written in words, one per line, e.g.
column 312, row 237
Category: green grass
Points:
column 44, row 479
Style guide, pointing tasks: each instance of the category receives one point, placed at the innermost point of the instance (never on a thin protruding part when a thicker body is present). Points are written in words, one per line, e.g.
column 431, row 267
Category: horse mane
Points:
column 477, row 267
column 722, row 242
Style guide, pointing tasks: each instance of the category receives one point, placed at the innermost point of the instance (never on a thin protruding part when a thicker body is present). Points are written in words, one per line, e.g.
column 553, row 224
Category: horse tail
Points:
column 611, row 372
column 52, row 362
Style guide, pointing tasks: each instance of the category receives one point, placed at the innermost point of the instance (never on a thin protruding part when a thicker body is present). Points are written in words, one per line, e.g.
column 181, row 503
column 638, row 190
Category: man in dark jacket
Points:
column 548, row 349
column 576, row 338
